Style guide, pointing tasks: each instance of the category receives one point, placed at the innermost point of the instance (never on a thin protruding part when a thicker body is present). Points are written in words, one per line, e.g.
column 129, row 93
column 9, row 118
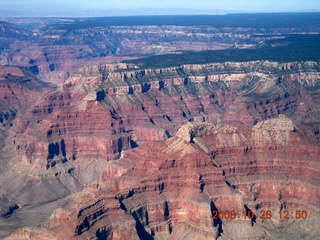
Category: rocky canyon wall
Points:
column 152, row 153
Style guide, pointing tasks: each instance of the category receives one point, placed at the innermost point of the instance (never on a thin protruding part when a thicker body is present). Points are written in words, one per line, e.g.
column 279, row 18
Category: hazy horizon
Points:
column 72, row 8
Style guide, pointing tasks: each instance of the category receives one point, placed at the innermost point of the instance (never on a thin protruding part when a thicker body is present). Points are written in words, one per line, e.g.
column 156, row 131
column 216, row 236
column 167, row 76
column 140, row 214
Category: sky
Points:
column 208, row 6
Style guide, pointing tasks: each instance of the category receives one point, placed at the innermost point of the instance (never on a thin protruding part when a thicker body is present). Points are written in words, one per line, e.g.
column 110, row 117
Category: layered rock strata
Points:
column 170, row 189
column 56, row 49
column 252, row 142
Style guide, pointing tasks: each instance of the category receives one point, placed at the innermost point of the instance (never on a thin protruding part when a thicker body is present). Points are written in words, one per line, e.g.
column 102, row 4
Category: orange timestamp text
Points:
column 262, row 214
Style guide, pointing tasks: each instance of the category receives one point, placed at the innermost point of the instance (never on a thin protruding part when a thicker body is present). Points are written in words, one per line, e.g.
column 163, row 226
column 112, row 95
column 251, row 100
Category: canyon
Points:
column 147, row 127
column 119, row 151
column 54, row 49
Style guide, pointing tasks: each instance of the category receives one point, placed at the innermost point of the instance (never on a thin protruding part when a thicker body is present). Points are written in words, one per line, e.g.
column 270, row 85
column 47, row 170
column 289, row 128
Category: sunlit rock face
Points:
column 58, row 47
column 171, row 188
column 123, row 152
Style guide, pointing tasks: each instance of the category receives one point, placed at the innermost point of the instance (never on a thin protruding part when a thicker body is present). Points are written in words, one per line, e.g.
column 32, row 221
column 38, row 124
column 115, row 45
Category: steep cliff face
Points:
column 116, row 108
column 250, row 123
column 19, row 90
column 56, row 49
column 55, row 53
column 170, row 189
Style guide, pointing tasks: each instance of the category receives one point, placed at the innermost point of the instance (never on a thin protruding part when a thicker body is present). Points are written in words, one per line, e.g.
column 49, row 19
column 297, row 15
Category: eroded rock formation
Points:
column 156, row 151
column 58, row 47
column 169, row 189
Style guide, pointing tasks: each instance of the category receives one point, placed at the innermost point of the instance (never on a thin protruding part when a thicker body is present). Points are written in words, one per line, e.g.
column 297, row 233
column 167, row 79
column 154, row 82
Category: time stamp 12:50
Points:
column 262, row 214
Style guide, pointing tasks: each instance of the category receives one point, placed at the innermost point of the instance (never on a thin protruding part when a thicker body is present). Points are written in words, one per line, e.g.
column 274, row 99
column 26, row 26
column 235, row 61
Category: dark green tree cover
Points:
column 300, row 47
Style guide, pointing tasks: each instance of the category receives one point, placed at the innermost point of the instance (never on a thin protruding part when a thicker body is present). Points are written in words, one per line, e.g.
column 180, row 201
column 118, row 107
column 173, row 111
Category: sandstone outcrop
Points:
column 153, row 148
column 169, row 189
column 57, row 48
column 156, row 151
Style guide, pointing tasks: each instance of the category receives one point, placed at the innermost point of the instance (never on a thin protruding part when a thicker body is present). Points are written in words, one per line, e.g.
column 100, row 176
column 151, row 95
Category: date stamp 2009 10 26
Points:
column 262, row 214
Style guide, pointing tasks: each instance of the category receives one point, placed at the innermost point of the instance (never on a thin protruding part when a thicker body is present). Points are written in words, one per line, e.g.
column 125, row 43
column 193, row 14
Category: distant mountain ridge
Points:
column 55, row 48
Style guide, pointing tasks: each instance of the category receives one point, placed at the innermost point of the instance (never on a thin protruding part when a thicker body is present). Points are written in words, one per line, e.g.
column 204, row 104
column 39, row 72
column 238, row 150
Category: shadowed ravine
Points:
column 119, row 151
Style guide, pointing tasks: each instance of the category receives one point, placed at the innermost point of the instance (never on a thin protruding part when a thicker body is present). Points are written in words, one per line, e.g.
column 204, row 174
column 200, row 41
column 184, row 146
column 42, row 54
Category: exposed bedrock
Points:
column 193, row 139
column 54, row 52
column 104, row 110
column 169, row 189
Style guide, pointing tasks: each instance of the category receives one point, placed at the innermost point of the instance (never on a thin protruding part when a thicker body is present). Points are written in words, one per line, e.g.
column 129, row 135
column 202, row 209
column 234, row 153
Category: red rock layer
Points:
column 169, row 189
column 55, row 51
column 168, row 186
